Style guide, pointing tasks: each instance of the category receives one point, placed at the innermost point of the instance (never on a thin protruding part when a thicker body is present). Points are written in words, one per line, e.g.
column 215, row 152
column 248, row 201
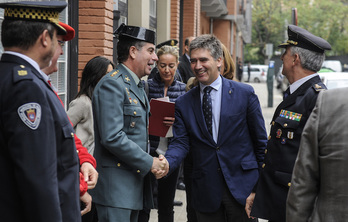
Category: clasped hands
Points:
column 160, row 167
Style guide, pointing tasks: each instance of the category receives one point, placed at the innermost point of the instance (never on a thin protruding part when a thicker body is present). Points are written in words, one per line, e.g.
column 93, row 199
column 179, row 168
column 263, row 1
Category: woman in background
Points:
column 80, row 110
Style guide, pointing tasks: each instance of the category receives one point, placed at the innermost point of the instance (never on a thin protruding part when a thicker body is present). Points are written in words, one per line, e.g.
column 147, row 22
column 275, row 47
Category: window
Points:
column 153, row 8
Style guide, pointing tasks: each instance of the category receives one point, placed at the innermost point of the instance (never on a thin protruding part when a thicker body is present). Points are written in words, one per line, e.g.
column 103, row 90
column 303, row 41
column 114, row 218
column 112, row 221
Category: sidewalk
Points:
column 262, row 93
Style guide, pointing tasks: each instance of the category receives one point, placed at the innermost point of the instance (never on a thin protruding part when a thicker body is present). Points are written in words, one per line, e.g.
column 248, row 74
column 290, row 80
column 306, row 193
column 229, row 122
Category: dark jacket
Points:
column 38, row 160
column 184, row 68
column 156, row 90
column 287, row 123
column 237, row 156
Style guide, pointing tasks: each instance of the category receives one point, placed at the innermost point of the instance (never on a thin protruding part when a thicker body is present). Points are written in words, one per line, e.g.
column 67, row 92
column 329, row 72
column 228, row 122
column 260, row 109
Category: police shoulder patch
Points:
column 30, row 114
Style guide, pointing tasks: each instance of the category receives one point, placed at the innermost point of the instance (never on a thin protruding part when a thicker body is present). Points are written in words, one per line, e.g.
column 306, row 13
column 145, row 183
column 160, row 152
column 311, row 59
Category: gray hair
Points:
column 309, row 59
column 208, row 42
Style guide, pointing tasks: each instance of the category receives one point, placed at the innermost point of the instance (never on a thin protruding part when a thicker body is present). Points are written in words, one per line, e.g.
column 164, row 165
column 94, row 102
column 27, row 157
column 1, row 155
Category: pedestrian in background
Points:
column 39, row 163
column 80, row 109
column 302, row 59
column 184, row 67
column 221, row 124
column 120, row 113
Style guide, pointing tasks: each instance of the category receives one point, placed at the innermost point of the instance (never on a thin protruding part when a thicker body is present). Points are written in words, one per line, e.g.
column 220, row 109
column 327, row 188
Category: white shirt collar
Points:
column 298, row 83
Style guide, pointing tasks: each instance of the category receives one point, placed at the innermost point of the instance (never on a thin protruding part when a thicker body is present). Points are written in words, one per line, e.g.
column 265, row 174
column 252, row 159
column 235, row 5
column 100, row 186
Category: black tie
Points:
column 286, row 93
column 207, row 108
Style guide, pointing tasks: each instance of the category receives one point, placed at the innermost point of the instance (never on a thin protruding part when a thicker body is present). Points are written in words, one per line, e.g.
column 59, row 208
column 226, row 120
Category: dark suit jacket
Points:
column 236, row 157
column 38, row 160
column 184, row 68
column 282, row 148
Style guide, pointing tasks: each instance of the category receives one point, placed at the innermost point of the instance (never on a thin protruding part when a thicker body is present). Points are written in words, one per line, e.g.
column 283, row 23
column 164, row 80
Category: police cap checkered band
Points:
column 35, row 11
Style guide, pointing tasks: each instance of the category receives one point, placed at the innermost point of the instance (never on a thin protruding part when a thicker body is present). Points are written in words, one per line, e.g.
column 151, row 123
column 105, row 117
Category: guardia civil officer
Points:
column 38, row 160
column 302, row 59
column 120, row 113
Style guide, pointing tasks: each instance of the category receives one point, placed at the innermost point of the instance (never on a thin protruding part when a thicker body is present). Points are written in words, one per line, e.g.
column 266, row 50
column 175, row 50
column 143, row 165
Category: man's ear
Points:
column 44, row 38
column 220, row 61
column 132, row 52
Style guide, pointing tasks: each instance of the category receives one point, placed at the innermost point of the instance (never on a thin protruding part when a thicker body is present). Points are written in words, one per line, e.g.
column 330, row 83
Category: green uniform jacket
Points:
column 121, row 113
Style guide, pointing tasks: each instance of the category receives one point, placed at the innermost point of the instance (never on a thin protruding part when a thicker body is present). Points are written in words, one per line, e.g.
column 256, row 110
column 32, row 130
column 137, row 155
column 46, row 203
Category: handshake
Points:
column 160, row 167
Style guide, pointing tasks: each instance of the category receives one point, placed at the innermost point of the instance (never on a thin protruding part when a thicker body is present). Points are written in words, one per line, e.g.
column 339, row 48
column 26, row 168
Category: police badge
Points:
column 30, row 114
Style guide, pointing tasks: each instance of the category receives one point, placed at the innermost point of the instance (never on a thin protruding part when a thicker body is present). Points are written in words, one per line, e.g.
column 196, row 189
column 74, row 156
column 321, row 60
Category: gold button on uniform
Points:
column 118, row 164
column 135, row 113
column 265, row 150
column 272, row 123
column 72, row 135
column 285, row 124
column 138, row 171
column 263, row 165
column 289, row 184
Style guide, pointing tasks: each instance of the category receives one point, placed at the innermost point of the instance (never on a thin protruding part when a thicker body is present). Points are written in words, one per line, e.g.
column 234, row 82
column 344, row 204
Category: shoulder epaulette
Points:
column 318, row 87
column 20, row 73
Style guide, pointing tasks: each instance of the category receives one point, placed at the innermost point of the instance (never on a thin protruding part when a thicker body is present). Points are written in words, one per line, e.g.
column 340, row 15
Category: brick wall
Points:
column 95, row 31
column 174, row 19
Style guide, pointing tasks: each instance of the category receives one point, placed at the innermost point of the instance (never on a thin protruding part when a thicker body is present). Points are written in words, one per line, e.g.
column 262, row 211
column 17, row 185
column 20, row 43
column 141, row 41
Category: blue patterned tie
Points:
column 206, row 106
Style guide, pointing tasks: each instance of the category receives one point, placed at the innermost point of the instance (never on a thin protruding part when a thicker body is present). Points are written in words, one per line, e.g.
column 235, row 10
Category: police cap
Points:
column 302, row 38
column 170, row 42
column 136, row 32
column 35, row 11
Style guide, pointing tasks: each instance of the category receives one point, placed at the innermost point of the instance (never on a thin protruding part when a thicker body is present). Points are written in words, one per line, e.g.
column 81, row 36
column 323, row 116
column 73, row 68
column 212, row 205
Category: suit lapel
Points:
column 226, row 101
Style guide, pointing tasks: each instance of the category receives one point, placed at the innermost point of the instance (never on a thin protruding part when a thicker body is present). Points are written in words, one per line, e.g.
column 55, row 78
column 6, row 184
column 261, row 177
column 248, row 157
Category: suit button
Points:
column 77, row 151
column 219, row 169
column 263, row 165
column 138, row 171
column 118, row 164
column 289, row 184
column 285, row 124
column 218, row 148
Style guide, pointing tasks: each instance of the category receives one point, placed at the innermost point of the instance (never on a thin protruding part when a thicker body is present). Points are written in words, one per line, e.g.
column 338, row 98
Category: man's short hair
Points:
column 23, row 34
column 208, row 42
column 310, row 60
column 124, row 45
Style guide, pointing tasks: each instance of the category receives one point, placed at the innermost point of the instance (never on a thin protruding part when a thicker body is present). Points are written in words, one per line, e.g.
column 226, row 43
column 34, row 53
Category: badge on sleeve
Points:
column 30, row 114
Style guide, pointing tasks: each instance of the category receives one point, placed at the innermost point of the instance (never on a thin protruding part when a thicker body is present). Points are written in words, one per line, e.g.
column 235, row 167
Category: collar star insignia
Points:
column 127, row 79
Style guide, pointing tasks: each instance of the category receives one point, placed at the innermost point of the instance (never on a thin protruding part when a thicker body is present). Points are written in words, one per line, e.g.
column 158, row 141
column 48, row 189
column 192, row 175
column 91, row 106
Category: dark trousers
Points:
column 166, row 188
column 191, row 213
column 91, row 216
column 229, row 211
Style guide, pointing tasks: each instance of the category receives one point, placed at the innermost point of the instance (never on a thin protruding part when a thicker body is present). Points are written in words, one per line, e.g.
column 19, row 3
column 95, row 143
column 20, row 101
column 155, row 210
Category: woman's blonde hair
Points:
column 166, row 49
column 229, row 66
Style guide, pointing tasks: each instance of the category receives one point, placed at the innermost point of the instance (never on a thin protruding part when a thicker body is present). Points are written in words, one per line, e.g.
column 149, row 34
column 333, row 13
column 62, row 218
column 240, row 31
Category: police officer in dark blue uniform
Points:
column 302, row 59
column 38, row 160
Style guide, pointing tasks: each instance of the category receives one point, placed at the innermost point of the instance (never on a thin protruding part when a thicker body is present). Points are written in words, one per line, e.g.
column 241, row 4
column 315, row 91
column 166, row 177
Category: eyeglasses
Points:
column 61, row 43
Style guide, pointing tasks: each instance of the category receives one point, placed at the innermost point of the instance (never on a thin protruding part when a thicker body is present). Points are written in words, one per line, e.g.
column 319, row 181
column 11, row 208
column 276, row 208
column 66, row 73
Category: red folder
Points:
column 160, row 109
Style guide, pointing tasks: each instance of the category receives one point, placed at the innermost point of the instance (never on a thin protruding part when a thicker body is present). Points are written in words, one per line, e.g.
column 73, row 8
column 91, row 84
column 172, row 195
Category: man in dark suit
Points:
column 184, row 67
column 38, row 159
column 302, row 59
column 226, row 137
